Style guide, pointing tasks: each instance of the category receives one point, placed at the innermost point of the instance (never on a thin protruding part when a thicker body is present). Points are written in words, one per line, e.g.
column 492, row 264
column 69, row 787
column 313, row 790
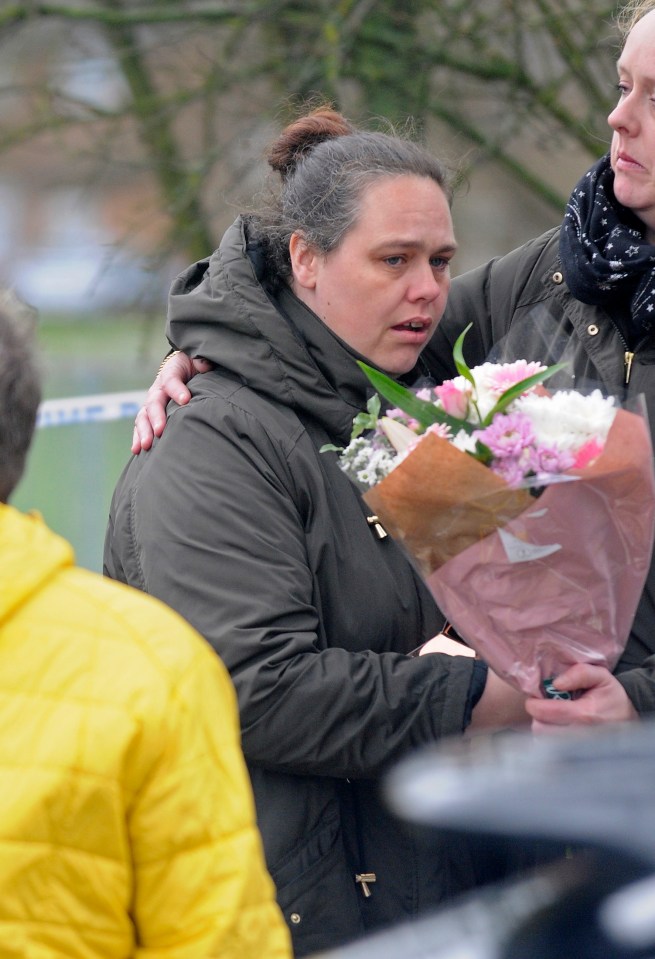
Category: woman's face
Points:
column 633, row 122
column 384, row 289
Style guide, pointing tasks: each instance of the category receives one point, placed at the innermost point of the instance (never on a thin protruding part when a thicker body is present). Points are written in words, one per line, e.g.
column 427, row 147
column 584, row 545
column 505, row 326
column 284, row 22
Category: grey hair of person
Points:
column 323, row 182
column 20, row 388
column 631, row 13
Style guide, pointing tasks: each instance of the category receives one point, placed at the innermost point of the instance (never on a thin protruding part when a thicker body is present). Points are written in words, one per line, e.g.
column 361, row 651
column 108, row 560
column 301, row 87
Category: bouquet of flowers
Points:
column 530, row 515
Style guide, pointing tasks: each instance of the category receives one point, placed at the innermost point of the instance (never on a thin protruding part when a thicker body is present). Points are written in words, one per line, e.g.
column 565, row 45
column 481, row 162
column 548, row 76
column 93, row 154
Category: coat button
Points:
column 592, row 329
column 558, row 278
column 295, row 918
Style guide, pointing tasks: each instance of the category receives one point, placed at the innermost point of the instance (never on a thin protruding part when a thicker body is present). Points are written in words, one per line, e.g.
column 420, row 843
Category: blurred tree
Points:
column 182, row 91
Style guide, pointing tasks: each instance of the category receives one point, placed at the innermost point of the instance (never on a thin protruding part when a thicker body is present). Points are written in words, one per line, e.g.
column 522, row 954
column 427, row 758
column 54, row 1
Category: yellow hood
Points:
column 30, row 556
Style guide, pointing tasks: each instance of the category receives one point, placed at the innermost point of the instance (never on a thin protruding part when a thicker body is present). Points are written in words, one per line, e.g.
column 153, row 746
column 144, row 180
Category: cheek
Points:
column 614, row 146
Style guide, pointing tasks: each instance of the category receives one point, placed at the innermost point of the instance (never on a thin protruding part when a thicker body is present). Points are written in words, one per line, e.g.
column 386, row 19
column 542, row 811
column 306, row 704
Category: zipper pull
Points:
column 364, row 878
column 628, row 357
column 377, row 527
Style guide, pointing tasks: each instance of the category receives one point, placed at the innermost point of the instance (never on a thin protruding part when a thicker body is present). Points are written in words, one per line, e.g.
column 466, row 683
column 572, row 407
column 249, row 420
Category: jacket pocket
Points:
column 317, row 894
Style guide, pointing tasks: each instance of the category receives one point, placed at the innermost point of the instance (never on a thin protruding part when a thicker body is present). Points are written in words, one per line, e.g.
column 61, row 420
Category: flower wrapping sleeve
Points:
column 533, row 584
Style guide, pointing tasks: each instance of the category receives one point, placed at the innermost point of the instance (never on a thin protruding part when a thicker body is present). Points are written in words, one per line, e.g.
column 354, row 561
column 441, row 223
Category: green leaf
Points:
column 367, row 420
column 458, row 356
column 423, row 411
column 482, row 453
column 330, row 448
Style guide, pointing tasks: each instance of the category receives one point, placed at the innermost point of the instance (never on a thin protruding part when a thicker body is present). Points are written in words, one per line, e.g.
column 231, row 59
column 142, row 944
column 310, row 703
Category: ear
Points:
column 304, row 261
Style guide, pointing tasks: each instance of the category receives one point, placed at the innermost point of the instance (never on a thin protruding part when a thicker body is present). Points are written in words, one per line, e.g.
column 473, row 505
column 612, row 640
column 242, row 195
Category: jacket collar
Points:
column 219, row 309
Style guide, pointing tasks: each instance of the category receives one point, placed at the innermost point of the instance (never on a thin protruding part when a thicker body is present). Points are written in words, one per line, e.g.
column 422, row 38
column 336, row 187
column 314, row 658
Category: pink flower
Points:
column 454, row 401
column 409, row 421
column 508, row 435
column 505, row 376
column 548, row 459
column 587, row 453
column 509, row 469
column 440, row 429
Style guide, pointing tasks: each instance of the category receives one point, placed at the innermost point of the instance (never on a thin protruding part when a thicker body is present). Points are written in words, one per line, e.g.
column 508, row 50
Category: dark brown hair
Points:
column 302, row 135
column 326, row 164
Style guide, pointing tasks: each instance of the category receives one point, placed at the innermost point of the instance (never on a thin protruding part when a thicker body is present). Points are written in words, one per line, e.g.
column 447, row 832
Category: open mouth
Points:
column 415, row 325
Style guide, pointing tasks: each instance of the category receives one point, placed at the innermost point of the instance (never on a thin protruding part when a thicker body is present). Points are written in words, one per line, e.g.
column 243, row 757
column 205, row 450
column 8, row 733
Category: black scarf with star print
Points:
column 605, row 259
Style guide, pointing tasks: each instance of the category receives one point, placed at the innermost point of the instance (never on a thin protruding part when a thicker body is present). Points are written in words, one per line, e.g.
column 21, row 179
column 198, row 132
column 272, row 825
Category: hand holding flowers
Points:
column 530, row 515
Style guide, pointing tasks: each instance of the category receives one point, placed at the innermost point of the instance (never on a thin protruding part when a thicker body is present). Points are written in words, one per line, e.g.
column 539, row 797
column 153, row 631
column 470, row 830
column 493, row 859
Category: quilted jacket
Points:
column 126, row 818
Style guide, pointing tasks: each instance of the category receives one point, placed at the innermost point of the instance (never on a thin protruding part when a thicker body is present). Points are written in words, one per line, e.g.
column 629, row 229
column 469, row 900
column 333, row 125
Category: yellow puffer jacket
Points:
column 127, row 826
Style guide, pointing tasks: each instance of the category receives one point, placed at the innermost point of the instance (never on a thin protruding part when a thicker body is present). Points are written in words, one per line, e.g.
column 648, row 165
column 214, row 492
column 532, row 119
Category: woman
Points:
column 239, row 521
column 585, row 292
column 561, row 297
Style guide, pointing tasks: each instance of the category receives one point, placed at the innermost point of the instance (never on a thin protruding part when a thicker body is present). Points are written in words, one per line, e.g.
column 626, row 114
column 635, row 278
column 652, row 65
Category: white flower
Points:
column 567, row 419
column 464, row 442
column 366, row 464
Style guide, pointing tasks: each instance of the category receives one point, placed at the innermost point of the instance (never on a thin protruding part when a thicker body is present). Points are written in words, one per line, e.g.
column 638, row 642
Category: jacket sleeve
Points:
column 227, row 548
column 639, row 684
column 200, row 883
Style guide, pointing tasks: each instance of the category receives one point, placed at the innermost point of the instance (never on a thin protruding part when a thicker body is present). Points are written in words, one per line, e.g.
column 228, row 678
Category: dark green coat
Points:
column 237, row 521
column 520, row 307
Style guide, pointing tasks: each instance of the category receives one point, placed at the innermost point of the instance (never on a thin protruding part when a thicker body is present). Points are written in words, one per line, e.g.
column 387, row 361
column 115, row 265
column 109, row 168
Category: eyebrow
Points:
column 407, row 244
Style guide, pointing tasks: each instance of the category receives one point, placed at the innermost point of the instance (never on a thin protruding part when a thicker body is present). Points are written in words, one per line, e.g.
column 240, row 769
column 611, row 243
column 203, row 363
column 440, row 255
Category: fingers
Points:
column 166, row 387
column 201, row 365
column 144, row 430
column 174, row 373
column 600, row 699
column 557, row 712
column 150, row 421
column 170, row 383
column 138, row 443
column 581, row 676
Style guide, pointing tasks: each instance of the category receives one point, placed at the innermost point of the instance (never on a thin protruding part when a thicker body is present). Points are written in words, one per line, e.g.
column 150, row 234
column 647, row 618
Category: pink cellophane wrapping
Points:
column 533, row 584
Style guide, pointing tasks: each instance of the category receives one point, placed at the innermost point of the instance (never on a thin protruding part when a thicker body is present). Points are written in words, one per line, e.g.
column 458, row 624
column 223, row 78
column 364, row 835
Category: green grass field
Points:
column 72, row 469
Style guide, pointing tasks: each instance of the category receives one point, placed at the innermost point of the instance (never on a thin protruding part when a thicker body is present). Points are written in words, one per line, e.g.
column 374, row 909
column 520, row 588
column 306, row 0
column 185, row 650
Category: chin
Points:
column 398, row 368
column 623, row 194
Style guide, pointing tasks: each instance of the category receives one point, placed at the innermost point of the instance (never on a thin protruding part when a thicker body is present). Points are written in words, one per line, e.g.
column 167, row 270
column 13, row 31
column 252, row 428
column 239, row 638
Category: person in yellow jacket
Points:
column 127, row 824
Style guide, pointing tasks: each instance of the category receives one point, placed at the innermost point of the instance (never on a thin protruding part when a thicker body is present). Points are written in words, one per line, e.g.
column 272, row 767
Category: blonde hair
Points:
column 631, row 13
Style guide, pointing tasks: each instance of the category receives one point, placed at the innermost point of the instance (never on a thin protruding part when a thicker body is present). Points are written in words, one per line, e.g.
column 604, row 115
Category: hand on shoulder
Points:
column 169, row 384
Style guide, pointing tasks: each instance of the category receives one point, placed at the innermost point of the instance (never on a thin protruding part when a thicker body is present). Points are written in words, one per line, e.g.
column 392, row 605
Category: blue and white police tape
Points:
column 100, row 407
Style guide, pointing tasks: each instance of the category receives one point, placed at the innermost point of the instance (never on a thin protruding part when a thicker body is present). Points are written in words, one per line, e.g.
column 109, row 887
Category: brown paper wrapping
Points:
column 534, row 584
column 439, row 500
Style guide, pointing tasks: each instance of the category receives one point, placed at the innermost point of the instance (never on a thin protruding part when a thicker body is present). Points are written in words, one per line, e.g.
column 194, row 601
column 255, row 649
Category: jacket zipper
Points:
column 628, row 357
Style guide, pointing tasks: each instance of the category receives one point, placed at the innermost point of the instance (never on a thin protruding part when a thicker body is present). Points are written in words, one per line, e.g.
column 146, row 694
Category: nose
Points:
column 426, row 283
column 623, row 118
